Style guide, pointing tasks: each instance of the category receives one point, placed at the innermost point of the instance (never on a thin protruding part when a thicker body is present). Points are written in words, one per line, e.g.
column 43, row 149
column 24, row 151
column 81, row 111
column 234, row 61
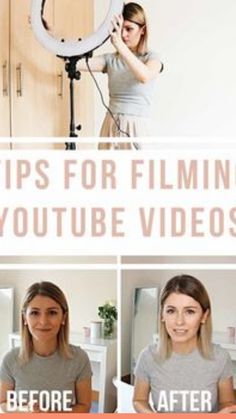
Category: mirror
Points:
column 144, row 321
column 6, row 316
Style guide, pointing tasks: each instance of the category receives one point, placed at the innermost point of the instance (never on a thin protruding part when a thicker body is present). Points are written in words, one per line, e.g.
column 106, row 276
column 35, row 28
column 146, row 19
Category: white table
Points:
column 102, row 355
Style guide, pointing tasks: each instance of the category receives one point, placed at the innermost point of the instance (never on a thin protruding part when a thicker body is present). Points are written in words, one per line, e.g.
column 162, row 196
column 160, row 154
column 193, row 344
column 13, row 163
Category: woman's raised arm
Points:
column 143, row 72
column 95, row 63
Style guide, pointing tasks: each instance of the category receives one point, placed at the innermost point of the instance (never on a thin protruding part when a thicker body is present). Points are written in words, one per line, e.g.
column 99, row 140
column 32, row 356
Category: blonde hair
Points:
column 187, row 285
column 46, row 289
column 135, row 13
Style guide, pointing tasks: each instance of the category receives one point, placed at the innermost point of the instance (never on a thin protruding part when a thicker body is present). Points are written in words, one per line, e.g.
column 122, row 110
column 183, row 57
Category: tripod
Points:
column 73, row 75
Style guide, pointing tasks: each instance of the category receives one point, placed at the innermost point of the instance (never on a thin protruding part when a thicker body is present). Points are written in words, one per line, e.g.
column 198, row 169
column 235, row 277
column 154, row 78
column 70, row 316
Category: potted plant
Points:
column 108, row 313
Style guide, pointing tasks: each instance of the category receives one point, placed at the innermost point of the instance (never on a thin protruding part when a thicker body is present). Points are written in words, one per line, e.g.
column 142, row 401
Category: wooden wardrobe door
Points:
column 4, row 69
column 73, row 20
column 34, row 78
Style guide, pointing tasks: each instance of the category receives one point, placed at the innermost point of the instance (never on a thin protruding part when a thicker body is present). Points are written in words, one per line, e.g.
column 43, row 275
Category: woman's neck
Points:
column 45, row 348
column 134, row 50
column 185, row 347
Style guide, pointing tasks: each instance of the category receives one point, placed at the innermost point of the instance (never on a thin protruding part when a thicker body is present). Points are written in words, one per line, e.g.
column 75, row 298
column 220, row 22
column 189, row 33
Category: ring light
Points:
column 72, row 48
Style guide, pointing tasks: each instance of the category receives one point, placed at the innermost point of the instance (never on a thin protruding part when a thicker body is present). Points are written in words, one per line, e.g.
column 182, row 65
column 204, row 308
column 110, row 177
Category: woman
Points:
column 186, row 372
column 46, row 366
column 132, row 71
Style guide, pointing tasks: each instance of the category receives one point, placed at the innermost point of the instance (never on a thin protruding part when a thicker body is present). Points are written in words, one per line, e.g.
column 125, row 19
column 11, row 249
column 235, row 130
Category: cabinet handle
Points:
column 4, row 79
column 60, row 84
column 19, row 80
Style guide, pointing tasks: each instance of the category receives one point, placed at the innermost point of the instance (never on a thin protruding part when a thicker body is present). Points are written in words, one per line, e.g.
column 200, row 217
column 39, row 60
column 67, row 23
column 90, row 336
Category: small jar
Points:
column 231, row 332
column 86, row 330
column 95, row 330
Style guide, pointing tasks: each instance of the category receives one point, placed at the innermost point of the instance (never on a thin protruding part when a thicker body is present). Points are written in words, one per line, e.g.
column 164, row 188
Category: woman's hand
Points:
column 143, row 72
column 83, row 391
column 141, row 396
column 228, row 409
column 226, row 396
column 33, row 407
column 116, row 32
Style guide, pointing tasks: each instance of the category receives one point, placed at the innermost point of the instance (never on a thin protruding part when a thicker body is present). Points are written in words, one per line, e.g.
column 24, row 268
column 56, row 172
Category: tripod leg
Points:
column 70, row 146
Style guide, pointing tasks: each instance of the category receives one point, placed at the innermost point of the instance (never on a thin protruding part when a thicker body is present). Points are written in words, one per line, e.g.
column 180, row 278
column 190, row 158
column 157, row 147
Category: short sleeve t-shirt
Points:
column 184, row 378
column 46, row 373
column 128, row 96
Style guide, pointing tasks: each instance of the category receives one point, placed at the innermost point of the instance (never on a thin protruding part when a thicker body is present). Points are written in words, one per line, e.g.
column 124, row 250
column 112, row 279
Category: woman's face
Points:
column 182, row 316
column 44, row 318
column 131, row 34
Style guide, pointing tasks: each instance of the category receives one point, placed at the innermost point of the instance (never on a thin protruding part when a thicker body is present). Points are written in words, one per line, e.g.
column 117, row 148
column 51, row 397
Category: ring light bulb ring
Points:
column 69, row 48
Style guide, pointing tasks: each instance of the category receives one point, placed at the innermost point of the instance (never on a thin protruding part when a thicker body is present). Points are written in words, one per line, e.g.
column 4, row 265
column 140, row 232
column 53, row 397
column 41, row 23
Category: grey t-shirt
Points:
column 46, row 373
column 179, row 373
column 127, row 95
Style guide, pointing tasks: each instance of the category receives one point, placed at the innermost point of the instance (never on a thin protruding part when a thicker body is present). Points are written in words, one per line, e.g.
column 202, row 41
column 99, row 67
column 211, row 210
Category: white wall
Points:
column 220, row 284
column 78, row 260
column 196, row 93
column 85, row 291
column 179, row 259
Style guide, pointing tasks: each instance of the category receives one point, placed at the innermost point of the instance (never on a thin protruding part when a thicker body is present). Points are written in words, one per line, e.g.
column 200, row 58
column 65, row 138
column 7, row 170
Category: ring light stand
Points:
column 72, row 51
column 73, row 74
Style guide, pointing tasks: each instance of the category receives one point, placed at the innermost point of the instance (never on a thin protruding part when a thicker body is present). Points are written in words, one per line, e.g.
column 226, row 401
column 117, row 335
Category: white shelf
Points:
column 222, row 337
